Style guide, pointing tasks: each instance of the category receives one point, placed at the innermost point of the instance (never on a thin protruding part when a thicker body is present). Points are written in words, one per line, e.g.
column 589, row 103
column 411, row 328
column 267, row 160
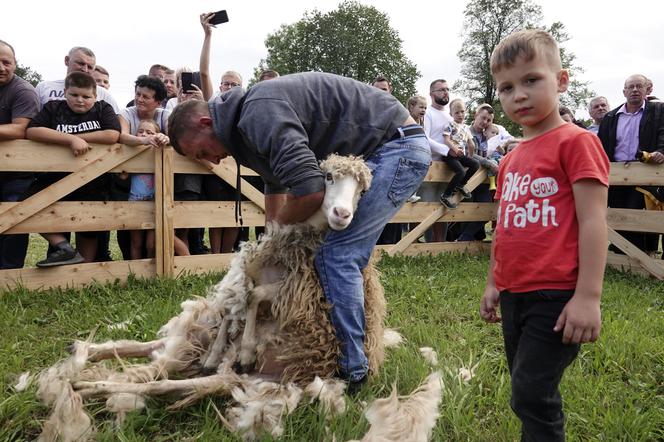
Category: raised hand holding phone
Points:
column 219, row 17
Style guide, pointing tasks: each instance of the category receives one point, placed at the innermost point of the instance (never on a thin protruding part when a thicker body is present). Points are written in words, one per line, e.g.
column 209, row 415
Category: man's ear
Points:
column 205, row 121
column 67, row 60
column 563, row 80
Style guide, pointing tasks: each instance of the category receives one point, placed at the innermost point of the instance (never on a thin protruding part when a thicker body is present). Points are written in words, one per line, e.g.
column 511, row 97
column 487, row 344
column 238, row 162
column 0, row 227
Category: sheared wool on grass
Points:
column 24, row 381
column 330, row 395
column 407, row 419
column 430, row 355
column 261, row 407
column 392, row 338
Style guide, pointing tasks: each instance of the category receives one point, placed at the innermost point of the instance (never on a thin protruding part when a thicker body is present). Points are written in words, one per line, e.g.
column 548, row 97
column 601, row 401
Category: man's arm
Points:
column 436, row 147
column 291, row 209
column 14, row 130
column 471, row 146
column 581, row 318
column 657, row 155
column 204, row 63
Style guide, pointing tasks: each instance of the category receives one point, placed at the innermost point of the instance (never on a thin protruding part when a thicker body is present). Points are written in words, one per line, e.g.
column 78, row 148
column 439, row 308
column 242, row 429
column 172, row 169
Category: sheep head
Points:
column 346, row 179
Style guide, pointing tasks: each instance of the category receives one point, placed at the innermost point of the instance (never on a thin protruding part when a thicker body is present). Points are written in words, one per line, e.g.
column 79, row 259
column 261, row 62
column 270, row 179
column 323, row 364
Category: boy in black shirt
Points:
column 75, row 122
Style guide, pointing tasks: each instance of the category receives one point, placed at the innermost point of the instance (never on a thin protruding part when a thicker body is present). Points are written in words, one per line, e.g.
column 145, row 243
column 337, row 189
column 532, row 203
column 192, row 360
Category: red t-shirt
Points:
column 537, row 233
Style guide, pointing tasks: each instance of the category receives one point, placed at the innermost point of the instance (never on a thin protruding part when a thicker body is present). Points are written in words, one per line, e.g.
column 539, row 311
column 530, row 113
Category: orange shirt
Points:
column 537, row 233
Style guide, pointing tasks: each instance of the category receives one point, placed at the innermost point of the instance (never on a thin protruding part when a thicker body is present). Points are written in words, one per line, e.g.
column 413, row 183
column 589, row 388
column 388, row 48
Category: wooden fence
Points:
column 43, row 213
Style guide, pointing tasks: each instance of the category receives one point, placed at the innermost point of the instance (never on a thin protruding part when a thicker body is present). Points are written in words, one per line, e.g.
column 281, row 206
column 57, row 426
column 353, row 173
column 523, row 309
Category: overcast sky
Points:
column 612, row 40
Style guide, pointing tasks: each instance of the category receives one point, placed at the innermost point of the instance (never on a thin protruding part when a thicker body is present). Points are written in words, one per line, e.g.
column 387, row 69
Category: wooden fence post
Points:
column 163, row 199
column 167, row 211
column 159, row 248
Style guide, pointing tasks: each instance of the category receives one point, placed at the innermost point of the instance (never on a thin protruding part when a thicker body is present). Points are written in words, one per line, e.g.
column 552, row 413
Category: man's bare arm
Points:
column 14, row 130
column 289, row 209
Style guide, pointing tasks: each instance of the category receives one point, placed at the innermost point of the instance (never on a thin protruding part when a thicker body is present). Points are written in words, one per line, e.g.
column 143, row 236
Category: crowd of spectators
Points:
column 80, row 109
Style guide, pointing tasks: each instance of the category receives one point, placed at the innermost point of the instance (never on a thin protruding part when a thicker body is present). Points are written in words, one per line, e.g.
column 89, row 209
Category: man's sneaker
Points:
column 61, row 256
column 414, row 198
column 447, row 201
column 464, row 192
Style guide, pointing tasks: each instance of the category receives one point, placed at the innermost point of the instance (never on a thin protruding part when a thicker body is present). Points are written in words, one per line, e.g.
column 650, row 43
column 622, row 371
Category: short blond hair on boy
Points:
column 526, row 44
column 457, row 102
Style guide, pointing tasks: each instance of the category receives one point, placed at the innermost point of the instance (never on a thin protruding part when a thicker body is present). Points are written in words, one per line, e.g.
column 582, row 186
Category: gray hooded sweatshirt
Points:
column 281, row 128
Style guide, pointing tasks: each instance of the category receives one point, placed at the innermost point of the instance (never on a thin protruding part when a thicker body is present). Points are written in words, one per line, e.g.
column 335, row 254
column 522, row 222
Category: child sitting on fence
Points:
column 458, row 138
column 77, row 120
column 552, row 190
column 494, row 153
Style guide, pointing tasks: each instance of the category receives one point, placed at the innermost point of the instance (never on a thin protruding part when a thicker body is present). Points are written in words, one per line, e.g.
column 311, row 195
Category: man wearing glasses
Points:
column 633, row 127
column 436, row 120
column 229, row 80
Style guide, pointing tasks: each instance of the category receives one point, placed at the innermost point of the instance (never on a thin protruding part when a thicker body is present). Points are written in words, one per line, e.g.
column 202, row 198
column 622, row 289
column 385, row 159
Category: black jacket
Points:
column 651, row 129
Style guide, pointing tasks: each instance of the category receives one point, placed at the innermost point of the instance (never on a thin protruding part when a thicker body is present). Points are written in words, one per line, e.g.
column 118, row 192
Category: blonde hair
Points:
column 493, row 127
column 526, row 44
column 412, row 101
column 232, row 74
column 457, row 102
column 154, row 124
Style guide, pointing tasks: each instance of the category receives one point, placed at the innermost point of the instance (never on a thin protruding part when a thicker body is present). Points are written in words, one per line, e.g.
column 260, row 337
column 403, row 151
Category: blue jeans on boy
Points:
column 398, row 168
column 13, row 248
column 537, row 359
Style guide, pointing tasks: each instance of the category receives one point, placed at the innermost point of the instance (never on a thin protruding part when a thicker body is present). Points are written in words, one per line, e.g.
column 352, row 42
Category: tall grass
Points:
column 614, row 391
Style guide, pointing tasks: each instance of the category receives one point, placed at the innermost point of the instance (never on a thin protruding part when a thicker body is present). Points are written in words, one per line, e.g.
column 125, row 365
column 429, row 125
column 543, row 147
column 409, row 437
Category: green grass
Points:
column 613, row 392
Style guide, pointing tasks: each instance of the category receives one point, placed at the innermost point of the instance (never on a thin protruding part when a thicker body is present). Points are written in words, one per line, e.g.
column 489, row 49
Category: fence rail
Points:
column 44, row 213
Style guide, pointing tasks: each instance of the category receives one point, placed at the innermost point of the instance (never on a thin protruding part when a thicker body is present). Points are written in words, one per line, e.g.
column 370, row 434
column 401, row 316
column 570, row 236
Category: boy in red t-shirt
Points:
column 549, row 249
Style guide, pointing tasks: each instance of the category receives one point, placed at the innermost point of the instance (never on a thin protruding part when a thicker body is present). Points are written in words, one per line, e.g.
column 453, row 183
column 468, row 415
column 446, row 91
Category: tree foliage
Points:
column 353, row 40
column 485, row 24
column 26, row 73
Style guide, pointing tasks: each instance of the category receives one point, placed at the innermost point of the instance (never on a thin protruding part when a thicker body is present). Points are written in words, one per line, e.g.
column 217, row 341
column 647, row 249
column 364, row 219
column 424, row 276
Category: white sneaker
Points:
column 413, row 198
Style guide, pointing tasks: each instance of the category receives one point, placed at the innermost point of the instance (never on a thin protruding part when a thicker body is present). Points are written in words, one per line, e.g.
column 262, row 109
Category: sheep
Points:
column 268, row 316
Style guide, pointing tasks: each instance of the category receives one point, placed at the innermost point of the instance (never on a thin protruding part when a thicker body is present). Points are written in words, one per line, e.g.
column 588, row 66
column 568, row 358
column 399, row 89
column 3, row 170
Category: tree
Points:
column 485, row 24
column 578, row 93
column 26, row 73
column 354, row 40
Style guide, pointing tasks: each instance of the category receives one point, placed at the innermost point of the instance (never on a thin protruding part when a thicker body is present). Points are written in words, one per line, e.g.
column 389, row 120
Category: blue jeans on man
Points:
column 13, row 248
column 398, row 168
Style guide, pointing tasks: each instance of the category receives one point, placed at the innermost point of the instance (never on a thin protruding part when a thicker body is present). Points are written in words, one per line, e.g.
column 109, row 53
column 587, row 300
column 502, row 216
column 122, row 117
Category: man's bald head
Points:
column 183, row 120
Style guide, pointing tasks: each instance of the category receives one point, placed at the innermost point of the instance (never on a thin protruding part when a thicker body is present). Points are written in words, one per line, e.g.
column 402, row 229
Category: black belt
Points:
column 408, row 131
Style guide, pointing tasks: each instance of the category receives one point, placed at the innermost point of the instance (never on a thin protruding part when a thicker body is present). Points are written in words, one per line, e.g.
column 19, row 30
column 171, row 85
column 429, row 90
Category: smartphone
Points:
column 187, row 81
column 219, row 17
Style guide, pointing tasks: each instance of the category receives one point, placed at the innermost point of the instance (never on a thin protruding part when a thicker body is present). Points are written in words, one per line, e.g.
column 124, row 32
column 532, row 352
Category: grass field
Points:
column 613, row 392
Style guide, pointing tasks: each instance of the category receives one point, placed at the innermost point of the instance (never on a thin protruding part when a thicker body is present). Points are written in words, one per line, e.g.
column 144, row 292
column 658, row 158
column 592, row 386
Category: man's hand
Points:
column 656, row 157
column 489, row 304
column 205, row 22
column 580, row 320
column 455, row 152
column 299, row 209
column 196, row 94
column 79, row 146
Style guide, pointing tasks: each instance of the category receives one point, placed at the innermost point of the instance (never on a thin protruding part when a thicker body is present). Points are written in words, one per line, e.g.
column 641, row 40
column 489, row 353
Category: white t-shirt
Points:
column 435, row 122
column 55, row 90
column 171, row 103
column 131, row 115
